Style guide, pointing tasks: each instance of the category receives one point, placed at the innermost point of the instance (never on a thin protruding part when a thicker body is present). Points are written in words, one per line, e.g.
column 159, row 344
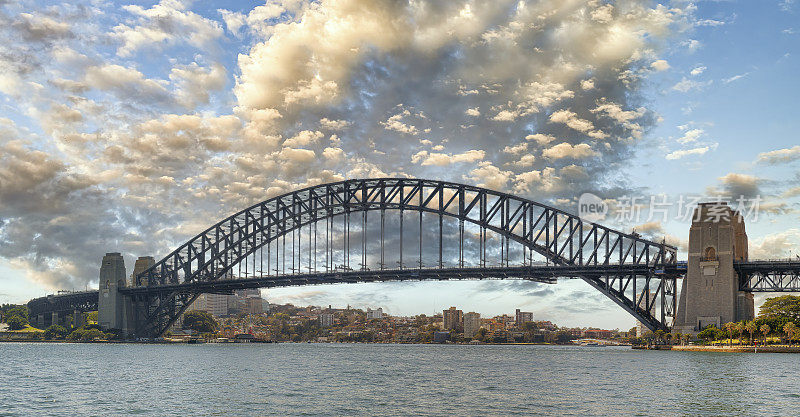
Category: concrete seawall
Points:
column 740, row 349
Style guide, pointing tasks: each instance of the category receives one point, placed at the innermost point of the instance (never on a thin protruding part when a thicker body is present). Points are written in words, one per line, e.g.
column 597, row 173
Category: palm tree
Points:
column 740, row 329
column 659, row 335
column 685, row 338
column 790, row 329
column 730, row 327
column 765, row 330
column 751, row 328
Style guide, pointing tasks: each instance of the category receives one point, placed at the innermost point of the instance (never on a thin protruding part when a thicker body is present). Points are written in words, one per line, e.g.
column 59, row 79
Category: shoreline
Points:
column 739, row 349
column 288, row 342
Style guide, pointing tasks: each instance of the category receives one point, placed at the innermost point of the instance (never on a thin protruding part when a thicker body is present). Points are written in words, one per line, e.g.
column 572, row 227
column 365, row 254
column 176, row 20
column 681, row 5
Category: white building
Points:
column 215, row 304
column 326, row 319
column 374, row 314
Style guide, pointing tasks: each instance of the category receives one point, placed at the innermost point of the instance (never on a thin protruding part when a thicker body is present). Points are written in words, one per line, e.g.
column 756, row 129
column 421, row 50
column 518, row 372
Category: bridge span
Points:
column 400, row 229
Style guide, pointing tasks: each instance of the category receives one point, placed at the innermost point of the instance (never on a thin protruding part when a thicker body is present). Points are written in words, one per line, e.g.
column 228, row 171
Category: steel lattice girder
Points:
column 562, row 238
column 82, row 301
column 769, row 276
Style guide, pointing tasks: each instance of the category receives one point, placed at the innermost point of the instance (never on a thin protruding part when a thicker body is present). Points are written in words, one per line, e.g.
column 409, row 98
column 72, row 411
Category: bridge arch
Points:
column 560, row 237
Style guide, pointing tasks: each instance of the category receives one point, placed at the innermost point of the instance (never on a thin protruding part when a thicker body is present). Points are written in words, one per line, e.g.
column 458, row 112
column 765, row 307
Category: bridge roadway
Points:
column 538, row 273
column 756, row 276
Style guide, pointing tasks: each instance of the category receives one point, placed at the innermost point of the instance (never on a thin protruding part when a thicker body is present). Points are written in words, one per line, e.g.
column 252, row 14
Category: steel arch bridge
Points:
column 456, row 231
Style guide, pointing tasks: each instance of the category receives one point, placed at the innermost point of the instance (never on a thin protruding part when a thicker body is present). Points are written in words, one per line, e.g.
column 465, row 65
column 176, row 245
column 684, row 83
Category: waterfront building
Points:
column 374, row 314
column 472, row 322
column 326, row 320
column 214, row 304
column 255, row 305
column 522, row 317
column 453, row 319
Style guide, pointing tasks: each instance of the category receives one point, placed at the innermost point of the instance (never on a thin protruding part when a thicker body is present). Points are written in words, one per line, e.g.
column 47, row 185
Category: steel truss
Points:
column 769, row 276
column 82, row 301
column 561, row 238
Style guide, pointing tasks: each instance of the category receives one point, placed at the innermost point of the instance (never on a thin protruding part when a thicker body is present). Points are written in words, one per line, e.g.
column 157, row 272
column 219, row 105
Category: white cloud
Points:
column 516, row 149
column 687, row 152
column 776, row 245
column 303, row 138
column 166, row 23
column 565, row 150
column 660, row 65
column 698, row 70
column 572, row 120
column 692, row 45
column 489, row 176
column 540, row 138
column 780, row 155
column 709, row 22
column 474, row 112
column 735, row 78
column 426, row 158
column 686, row 85
column 127, row 83
column 396, row 124
column 334, row 124
column 505, row 116
column 194, row 83
column 691, row 136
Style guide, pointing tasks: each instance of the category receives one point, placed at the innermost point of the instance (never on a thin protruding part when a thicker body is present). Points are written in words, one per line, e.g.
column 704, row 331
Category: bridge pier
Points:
column 77, row 318
column 113, row 308
column 710, row 292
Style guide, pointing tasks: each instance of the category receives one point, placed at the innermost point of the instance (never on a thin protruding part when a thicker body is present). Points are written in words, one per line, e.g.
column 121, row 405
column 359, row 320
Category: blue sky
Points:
column 131, row 126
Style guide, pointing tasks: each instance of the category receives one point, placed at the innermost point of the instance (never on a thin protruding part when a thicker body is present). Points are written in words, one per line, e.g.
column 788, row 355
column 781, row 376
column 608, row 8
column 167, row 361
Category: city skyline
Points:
column 131, row 128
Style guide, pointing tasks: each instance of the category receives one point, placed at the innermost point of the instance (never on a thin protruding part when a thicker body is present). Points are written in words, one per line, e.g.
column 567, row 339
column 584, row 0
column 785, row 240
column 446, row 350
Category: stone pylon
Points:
column 710, row 291
column 141, row 265
column 113, row 308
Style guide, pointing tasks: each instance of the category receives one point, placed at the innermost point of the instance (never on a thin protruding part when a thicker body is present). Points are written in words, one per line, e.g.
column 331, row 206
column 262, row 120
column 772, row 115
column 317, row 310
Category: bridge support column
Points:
column 77, row 319
column 710, row 291
column 113, row 307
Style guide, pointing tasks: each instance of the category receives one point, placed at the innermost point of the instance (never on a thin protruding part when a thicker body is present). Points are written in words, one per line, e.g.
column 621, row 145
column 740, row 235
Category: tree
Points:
column 785, row 306
column 730, row 327
column 91, row 317
column 708, row 334
column 88, row 334
column 740, row 329
column 16, row 316
column 55, row 332
column 765, row 331
column 200, row 321
column 21, row 311
column 481, row 334
column 790, row 329
column 16, row 322
column 751, row 328
column 659, row 336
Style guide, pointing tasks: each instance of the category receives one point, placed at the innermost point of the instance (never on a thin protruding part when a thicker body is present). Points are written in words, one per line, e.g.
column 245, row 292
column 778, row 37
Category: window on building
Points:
column 710, row 254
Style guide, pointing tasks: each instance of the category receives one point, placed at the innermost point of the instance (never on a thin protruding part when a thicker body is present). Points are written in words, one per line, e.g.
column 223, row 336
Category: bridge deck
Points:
column 538, row 273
